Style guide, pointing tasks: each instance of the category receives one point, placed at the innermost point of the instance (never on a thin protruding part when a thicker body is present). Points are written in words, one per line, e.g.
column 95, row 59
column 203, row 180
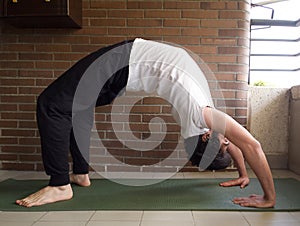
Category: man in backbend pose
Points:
column 65, row 116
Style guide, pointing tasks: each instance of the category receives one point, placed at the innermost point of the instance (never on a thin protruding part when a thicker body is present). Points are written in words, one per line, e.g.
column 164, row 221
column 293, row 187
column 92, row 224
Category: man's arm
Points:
column 238, row 158
column 252, row 152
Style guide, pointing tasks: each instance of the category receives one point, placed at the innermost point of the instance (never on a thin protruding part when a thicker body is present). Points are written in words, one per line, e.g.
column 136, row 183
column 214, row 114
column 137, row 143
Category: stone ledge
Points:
column 295, row 92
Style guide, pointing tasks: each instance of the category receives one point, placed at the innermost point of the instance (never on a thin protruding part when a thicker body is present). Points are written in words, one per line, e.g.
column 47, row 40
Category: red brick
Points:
column 186, row 40
column 107, row 22
column 17, row 166
column 44, row 82
column 35, row 73
column 233, row 33
column 18, row 47
column 219, row 41
column 212, row 5
column 70, row 39
column 200, row 14
column 162, row 31
column 31, row 158
column 17, row 133
column 162, row 14
column 145, row 109
column 107, row 40
column 243, row 77
column 141, row 161
column 93, row 13
column 181, row 23
column 29, row 141
column 8, row 73
column 8, row 157
column 219, row 23
column 8, row 56
column 108, row 4
column 35, row 56
column 234, row 14
column 8, row 124
column 49, row 48
column 35, row 39
column 8, row 90
column 16, row 64
column 199, row 31
column 125, row 13
column 236, row 68
column 181, row 5
column 234, row 85
column 7, row 141
column 144, row 5
column 18, row 149
column 30, row 90
column 91, row 31
column 28, row 124
column 17, row 115
column 203, row 49
column 144, row 22
column 52, row 65
column 17, row 99
column 233, row 50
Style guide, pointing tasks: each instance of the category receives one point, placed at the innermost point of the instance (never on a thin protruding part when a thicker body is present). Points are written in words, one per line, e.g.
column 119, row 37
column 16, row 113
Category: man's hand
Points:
column 242, row 182
column 257, row 201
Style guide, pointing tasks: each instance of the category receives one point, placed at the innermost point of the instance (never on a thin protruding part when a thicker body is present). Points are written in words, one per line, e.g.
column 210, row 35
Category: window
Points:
column 275, row 43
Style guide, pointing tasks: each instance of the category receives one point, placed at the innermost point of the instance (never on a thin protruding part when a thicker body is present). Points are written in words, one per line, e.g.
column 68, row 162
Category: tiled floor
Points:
column 150, row 218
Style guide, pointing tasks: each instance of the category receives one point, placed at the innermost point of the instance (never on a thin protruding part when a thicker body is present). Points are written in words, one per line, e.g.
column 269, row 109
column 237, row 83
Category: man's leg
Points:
column 54, row 124
column 80, row 153
column 54, row 116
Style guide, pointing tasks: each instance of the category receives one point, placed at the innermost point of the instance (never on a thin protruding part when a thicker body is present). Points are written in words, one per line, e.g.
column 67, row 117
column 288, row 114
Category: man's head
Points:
column 196, row 146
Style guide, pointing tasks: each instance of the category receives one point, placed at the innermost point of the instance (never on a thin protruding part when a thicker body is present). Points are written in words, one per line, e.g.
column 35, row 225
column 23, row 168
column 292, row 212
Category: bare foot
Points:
column 80, row 179
column 47, row 195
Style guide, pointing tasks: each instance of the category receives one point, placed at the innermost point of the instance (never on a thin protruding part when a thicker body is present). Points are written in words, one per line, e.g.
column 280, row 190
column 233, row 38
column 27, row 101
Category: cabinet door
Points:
column 42, row 13
column 35, row 7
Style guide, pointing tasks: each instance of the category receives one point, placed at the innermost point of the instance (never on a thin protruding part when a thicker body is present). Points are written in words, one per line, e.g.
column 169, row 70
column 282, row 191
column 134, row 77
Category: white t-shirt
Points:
column 172, row 74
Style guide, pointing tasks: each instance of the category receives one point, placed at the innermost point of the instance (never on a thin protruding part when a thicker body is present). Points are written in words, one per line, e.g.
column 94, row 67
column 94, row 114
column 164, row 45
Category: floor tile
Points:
column 224, row 218
column 6, row 174
column 70, row 216
column 11, row 223
column 113, row 223
column 177, row 216
column 117, row 216
column 282, row 173
column 226, row 175
column 166, row 223
column 268, row 217
column 296, row 215
column 284, row 223
column 21, row 216
column 59, row 223
column 32, row 175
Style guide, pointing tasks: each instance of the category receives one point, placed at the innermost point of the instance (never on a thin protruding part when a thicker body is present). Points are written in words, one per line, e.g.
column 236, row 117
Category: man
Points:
column 65, row 114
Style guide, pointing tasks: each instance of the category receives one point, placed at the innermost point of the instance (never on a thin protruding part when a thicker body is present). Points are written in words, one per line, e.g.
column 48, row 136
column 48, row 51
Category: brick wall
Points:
column 30, row 59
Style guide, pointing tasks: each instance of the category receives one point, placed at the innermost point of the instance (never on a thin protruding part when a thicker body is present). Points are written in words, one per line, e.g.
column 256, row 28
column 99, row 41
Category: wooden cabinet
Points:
column 42, row 13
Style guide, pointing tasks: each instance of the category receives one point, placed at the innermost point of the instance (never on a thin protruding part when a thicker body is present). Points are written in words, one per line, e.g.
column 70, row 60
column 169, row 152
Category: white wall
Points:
column 294, row 129
column 268, row 122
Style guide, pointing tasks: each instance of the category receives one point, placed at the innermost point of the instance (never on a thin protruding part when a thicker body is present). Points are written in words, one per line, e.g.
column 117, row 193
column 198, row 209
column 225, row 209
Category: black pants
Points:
column 56, row 113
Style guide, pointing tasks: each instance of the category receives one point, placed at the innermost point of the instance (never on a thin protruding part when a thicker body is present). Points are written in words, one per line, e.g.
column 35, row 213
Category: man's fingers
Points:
column 230, row 183
column 244, row 184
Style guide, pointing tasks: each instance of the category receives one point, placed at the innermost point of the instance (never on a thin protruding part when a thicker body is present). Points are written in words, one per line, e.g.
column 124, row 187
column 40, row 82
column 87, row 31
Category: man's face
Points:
column 223, row 140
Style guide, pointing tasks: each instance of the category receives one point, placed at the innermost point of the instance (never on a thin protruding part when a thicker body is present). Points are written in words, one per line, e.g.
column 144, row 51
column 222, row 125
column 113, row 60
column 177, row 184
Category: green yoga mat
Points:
column 172, row 194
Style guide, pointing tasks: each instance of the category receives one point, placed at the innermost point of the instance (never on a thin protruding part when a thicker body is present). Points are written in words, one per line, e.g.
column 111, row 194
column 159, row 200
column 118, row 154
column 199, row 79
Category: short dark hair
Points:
column 195, row 147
